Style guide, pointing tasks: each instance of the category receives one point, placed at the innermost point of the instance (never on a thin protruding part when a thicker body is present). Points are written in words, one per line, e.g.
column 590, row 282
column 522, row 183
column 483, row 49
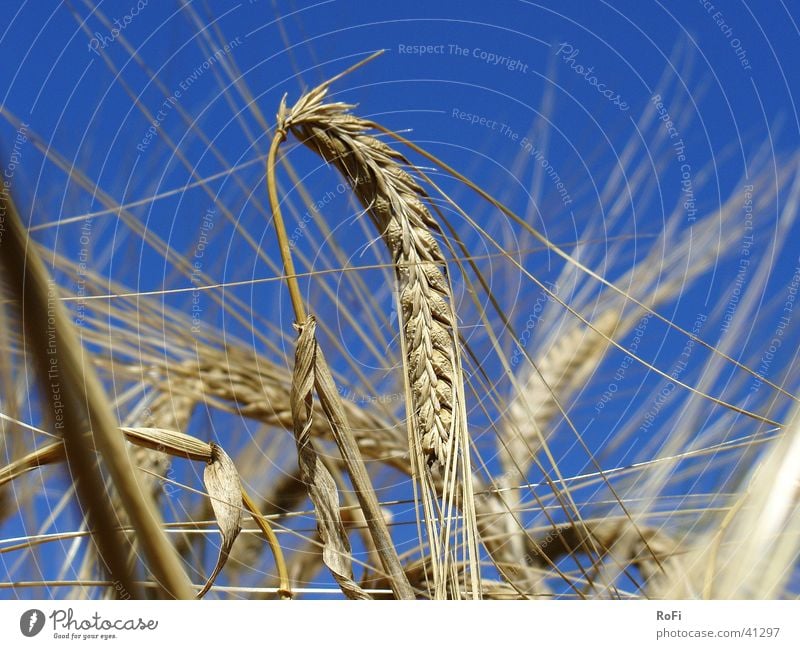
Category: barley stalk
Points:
column 434, row 378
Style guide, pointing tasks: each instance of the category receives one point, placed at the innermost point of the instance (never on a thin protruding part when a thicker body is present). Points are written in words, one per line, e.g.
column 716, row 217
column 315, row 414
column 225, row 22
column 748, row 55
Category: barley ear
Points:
column 396, row 203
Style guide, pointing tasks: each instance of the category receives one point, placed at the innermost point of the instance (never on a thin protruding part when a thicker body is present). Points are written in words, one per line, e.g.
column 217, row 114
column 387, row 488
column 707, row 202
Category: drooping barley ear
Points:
column 393, row 199
column 396, row 204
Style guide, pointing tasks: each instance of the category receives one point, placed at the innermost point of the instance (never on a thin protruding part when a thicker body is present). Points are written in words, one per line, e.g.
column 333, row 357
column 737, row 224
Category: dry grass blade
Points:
column 321, row 486
column 50, row 454
column 332, row 405
column 228, row 497
column 225, row 490
column 284, row 583
column 164, row 441
column 172, row 442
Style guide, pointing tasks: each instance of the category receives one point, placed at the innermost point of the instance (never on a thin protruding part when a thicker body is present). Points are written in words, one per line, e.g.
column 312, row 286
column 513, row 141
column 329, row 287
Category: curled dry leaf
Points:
column 225, row 490
column 320, row 484
column 221, row 479
column 158, row 439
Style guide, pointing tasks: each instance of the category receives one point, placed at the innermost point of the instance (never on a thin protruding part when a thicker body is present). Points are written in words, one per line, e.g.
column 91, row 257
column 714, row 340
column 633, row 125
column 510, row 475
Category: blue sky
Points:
column 468, row 80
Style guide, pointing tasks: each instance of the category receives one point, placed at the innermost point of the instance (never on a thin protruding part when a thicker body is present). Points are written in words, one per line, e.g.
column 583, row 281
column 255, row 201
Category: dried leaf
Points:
column 225, row 490
column 319, row 482
column 158, row 439
column 45, row 318
column 171, row 442
column 331, row 404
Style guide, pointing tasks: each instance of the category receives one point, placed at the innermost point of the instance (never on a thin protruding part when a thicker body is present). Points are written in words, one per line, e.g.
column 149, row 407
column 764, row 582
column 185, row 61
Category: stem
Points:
column 280, row 229
column 285, row 589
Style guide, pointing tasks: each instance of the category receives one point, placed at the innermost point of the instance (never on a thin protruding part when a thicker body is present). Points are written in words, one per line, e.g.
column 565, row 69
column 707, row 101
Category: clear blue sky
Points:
column 467, row 78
